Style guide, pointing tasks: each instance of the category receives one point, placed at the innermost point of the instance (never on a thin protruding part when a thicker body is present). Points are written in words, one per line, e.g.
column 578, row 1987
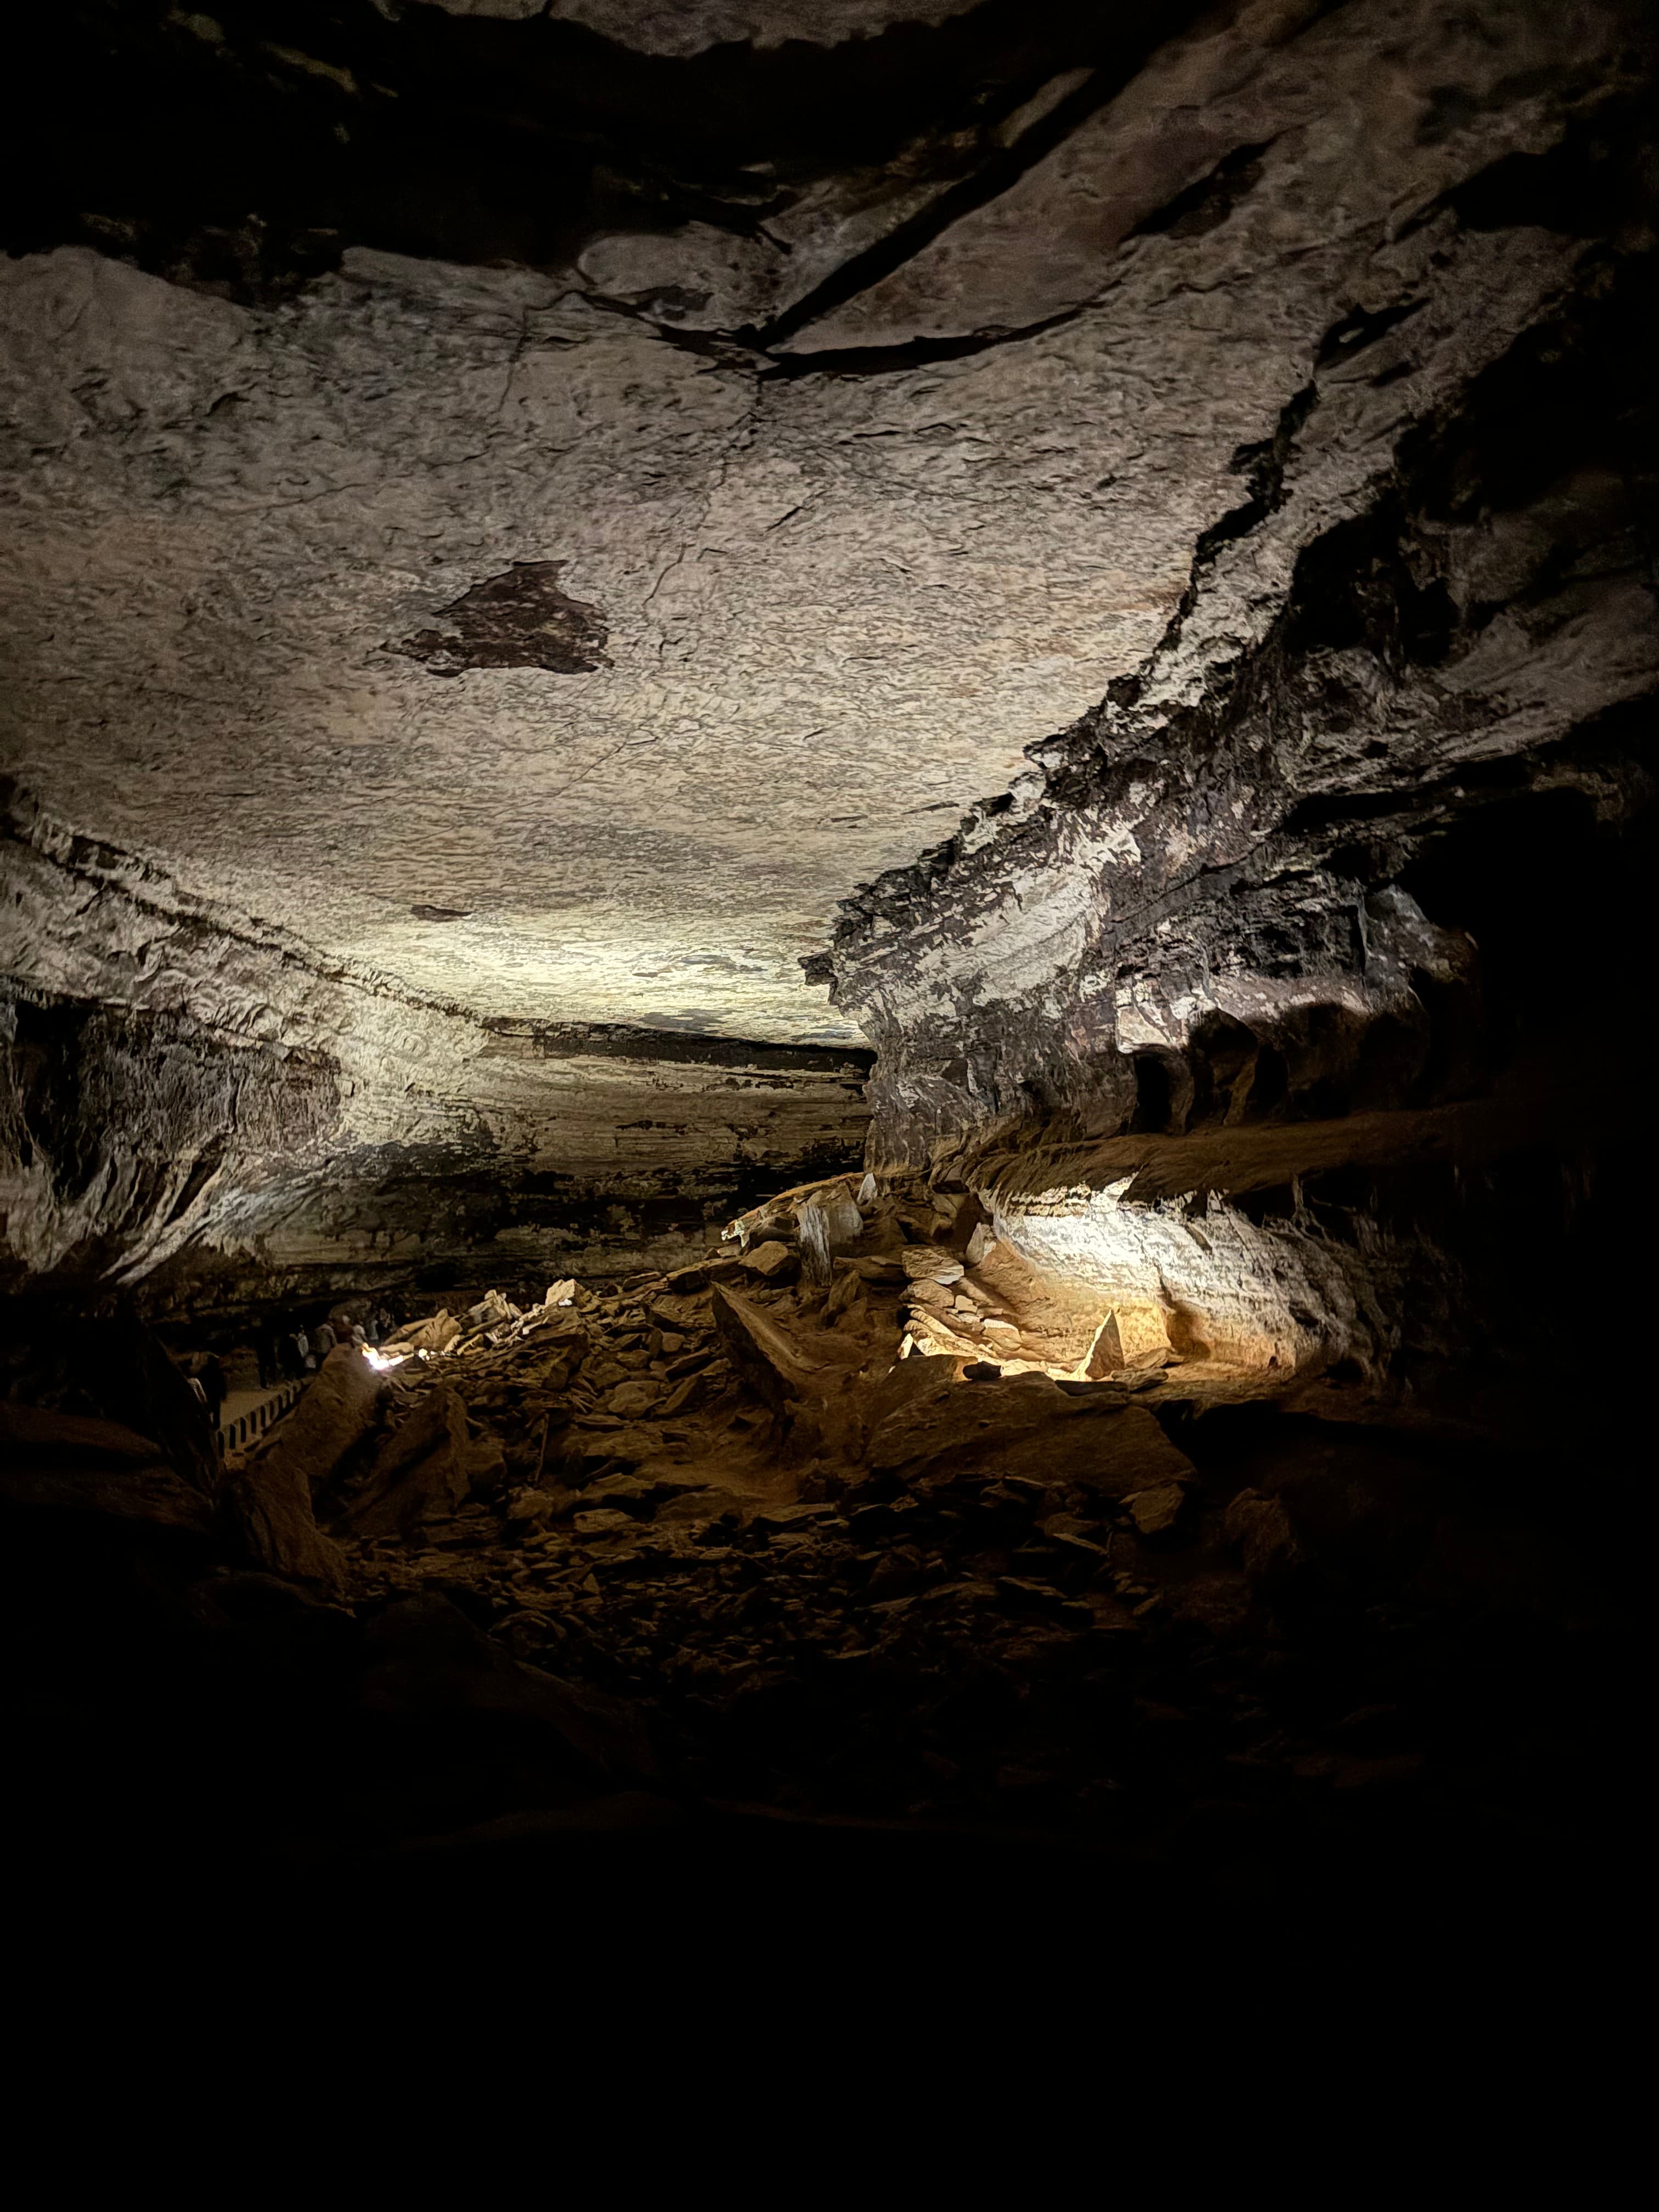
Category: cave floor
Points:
column 693, row 1572
column 1431, row 1662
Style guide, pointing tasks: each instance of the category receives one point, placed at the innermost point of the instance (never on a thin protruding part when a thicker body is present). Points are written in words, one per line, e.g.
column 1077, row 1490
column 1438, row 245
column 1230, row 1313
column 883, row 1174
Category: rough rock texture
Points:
column 675, row 28
column 1132, row 1642
column 511, row 512
column 192, row 1098
column 863, row 595
column 537, row 587
column 1351, row 845
column 271, row 1494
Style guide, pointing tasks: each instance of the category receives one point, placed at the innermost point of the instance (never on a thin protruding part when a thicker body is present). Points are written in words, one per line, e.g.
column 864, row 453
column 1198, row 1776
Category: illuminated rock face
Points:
column 197, row 1105
column 1200, row 1007
column 474, row 621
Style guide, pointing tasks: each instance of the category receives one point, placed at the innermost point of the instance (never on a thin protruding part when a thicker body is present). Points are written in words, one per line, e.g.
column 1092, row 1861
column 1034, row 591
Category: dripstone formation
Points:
column 950, row 708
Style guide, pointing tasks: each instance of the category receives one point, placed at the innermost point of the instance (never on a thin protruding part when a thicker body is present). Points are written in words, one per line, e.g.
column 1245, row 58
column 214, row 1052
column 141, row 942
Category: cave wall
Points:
column 1285, row 998
column 197, row 1110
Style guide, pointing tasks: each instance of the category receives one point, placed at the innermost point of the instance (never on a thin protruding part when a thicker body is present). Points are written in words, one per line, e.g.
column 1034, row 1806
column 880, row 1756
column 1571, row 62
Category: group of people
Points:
column 309, row 1348
column 280, row 1354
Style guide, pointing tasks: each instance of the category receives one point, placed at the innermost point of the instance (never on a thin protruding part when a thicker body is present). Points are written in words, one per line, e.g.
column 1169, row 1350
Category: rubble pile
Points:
column 771, row 1539
column 803, row 1566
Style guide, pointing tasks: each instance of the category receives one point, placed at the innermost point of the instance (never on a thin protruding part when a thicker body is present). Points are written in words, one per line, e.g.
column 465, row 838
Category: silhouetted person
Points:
column 324, row 1340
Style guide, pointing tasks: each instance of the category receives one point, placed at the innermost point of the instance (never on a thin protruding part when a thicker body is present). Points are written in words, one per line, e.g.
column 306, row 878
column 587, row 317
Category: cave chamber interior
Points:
column 829, row 846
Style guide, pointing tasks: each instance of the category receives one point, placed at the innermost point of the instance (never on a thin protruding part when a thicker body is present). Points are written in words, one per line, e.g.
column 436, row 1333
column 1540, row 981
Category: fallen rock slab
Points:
column 421, row 1473
column 35, row 1436
column 1025, row 1427
column 780, row 1367
column 270, row 1495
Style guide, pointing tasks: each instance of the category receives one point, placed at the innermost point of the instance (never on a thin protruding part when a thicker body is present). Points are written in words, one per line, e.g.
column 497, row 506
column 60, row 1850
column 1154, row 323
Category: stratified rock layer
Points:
column 198, row 1106
column 538, row 603
column 1282, row 999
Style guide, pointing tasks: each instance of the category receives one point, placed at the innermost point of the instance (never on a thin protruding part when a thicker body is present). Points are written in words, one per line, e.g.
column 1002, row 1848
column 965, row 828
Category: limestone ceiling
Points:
column 689, row 26
column 567, row 642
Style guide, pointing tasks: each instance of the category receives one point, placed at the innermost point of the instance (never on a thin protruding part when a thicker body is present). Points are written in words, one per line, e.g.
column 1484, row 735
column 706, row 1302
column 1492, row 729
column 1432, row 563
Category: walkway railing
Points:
column 239, row 1424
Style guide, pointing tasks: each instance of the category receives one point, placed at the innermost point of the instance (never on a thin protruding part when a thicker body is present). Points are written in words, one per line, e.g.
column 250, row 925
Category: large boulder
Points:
column 942, row 1429
column 422, row 1472
column 784, row 1366
column 79, row 1463
column 272, row 1495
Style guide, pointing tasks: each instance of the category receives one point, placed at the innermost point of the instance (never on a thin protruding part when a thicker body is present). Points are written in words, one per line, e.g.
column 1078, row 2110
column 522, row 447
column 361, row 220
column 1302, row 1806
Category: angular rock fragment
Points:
column 686, row 1394
column 529, row 1509
column 777, row 1363
column 602, row 1521
column 1156, row 1513
column 771, row 1262
column 421, row 1473
column 888, row 1273
column 924, row 1263
column 272, row 1495
column 700, row 1506
column 626, row 1443
column 628, row 1400
column 1105, row 1354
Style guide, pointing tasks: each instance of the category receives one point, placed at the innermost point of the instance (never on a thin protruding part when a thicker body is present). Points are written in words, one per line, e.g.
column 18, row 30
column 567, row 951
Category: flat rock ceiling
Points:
column 761, row 609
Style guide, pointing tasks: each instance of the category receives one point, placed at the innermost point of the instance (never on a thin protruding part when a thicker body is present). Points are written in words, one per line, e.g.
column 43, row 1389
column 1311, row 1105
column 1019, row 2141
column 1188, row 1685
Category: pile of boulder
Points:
column 772, row 1537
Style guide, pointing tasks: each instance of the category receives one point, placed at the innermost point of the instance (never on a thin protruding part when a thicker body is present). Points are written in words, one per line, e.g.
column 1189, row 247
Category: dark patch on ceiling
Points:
column 1206, row 205
column 519, row 619
column 440, row 913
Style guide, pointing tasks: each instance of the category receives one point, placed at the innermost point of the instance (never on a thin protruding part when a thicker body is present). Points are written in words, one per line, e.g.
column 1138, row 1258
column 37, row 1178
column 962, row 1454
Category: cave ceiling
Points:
column 574, row 576
column 565, row 632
